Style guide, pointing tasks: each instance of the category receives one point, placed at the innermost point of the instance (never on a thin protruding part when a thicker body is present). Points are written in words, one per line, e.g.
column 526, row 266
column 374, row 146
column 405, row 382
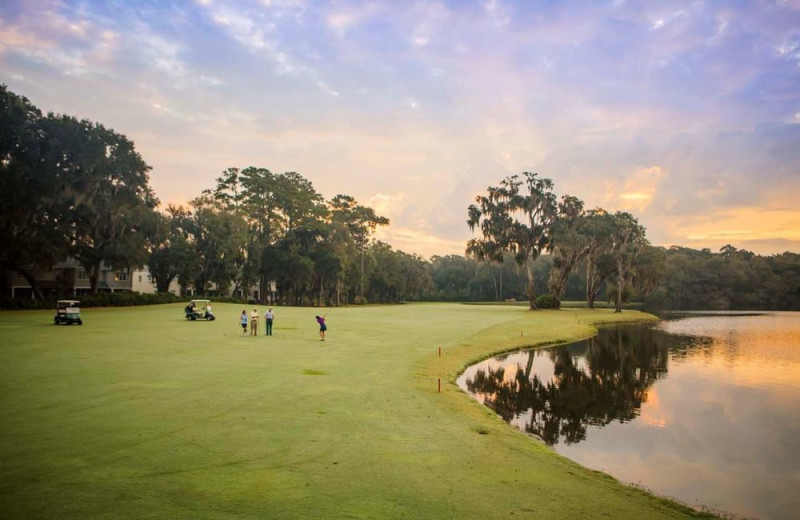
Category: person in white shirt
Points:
column 268, row 317
column 254, row 323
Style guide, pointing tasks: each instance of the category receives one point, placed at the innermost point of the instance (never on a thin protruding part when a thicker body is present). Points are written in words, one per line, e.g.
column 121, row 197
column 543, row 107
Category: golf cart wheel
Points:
column 211, row 318
column 80, row 321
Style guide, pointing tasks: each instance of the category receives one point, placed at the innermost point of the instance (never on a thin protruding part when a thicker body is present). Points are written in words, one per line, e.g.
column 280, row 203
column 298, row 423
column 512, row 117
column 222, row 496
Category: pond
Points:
column 702, row 409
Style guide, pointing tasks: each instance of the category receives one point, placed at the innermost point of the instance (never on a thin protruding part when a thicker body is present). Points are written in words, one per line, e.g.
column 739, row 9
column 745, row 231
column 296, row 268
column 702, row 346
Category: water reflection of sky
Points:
column 717, row 425
column 760, row 351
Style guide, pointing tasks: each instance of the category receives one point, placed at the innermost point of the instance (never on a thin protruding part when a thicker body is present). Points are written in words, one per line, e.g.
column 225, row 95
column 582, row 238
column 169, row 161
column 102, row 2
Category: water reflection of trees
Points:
column 595, row 382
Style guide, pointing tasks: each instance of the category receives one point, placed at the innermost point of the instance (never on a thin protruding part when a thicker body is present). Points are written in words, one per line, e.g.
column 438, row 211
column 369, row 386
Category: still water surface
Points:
column 702, row 409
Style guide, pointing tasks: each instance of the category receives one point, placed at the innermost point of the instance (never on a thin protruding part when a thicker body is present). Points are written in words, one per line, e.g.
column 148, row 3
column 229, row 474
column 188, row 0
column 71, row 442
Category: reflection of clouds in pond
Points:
column 708, row 413
column 581, row 364
column 652, row 413
column 756, row 351
column 715, row 445
column 682, row 478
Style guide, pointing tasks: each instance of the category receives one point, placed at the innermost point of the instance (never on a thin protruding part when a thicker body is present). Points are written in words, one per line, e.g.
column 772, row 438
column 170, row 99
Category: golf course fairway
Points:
column 141, row 414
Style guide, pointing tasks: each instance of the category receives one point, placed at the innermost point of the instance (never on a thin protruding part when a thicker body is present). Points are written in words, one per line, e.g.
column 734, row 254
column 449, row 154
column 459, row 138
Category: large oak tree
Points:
column 515, row 217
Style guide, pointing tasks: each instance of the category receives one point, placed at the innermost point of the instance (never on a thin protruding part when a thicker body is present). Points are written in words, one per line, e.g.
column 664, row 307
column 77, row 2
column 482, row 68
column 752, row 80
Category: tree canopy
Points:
column 69, row 188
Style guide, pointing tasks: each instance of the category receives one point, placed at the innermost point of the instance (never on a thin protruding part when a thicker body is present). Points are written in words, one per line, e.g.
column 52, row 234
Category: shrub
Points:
column 546, row 301
column 103, row 299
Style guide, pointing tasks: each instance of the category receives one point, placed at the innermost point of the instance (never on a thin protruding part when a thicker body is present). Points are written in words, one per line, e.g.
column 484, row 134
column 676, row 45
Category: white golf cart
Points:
column 199, row 310
column 68, row 312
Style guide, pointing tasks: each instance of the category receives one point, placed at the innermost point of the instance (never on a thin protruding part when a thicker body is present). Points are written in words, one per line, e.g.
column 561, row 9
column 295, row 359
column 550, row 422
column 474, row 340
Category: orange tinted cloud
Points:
column 637, row 191
column 420, row 241
column 748, row 224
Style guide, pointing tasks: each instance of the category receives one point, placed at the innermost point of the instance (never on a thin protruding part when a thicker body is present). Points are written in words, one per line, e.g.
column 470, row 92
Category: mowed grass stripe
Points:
column 140, row 414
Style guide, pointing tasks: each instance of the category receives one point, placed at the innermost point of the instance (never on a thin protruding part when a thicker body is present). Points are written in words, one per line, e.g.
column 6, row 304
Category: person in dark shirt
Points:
column 322, row 327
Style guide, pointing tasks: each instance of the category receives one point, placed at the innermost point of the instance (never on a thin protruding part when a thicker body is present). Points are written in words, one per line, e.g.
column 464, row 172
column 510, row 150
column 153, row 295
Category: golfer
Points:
column 322, row 327
column 254, row 323
column 268, row 317
column 243, row 321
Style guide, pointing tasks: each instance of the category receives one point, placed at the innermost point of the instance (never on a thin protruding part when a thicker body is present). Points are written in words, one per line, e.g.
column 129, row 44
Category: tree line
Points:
column 73, row 188
column 256, row 228
column 690, row 279
column 524, row 218
column 582, row 255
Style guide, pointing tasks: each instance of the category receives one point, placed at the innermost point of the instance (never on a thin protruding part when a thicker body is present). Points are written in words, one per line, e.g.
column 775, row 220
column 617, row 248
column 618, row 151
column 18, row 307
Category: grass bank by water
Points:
column 140, row 414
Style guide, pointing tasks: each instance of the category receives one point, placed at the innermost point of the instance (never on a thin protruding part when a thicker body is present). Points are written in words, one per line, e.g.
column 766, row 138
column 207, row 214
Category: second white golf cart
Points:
column 199, row 310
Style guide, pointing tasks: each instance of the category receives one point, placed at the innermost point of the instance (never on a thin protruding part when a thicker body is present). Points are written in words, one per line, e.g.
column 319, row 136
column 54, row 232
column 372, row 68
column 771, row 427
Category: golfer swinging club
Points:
column 322, row 326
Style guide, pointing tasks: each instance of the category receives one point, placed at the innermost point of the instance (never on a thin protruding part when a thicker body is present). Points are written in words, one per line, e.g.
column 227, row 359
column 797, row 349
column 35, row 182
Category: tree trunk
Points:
column 362, row 275
column 590, row 300
column 501, row 283
column 199, row 285
column 31, row 279
column 94, row 276
column 620, row 285
column 560, row 276
column 162, row 284
column 591, row 285
column 531, row 289
column 559, row 284
column 529, row 364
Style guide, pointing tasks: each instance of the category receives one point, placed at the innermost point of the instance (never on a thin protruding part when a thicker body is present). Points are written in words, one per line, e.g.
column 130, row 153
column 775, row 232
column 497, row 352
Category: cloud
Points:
column 431, row 18
column 678, row 114
column 161, row 53
column 46, row 36
column 245, row 27
column 420, row 241
column 760, row 229
column 17, row 38
column 662, row 22
column 499, row 13
column 640, row 188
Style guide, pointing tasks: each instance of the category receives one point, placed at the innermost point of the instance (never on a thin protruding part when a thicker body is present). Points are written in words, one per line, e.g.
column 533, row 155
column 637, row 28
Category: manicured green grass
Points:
column 140, row 414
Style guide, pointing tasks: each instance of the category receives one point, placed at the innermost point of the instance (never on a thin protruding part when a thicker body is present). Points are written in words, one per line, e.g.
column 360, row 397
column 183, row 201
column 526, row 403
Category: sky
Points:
column 684, row 113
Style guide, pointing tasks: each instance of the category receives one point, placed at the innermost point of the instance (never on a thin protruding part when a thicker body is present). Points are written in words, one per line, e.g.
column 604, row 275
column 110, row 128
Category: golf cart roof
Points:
column 68, row 301
column 201, row 301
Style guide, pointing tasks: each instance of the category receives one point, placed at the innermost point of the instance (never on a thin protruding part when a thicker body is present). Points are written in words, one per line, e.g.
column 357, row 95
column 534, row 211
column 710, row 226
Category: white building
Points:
column 69, row 276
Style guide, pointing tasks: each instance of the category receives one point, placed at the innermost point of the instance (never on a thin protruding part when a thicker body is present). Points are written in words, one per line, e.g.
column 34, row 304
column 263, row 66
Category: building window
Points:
column 82, row 275
column 140, row 278
column 121, row 276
